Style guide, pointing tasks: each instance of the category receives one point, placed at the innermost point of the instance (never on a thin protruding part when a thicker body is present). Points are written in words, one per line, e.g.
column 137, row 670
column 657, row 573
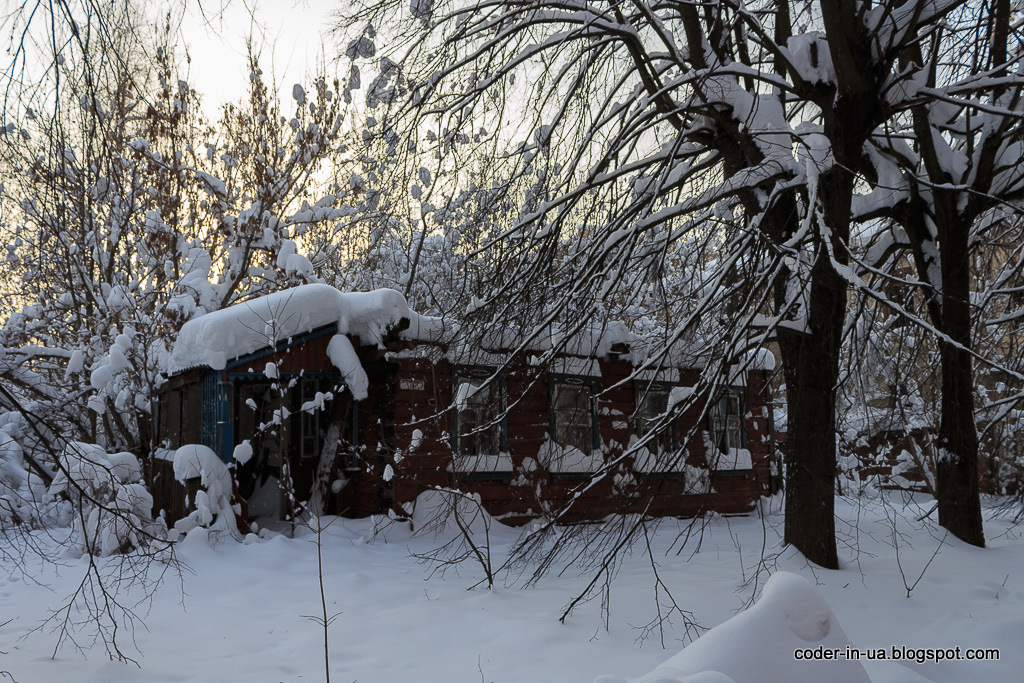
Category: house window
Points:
column 169, row 418
column 573, row 419
column 651, row 409
column 479, row 412
column 314, row 410
column 727, row 432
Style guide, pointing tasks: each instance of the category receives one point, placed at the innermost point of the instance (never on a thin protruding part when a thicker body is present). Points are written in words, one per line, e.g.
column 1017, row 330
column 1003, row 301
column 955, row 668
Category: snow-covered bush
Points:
column 142, row 222
column 112, row 508
column 20, row 492
column 13, row 473
column 213, row 508
column 24, row 480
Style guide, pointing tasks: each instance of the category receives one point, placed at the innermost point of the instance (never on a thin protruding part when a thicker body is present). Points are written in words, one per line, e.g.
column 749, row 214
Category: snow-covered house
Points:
column 365, row 404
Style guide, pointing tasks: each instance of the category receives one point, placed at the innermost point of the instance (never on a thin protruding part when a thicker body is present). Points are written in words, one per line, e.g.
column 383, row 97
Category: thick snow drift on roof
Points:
column 215, row 338
column 344, row 357
column 590, row 341
column 758, row 645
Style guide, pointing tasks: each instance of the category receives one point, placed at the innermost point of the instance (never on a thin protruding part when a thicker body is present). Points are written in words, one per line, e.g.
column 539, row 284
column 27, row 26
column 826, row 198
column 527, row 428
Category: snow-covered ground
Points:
column 243, row 614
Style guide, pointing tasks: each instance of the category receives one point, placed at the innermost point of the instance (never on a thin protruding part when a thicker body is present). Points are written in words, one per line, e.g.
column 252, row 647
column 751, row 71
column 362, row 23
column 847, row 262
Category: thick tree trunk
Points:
column 957, row 467
column 956, row 475
column 810, row 452
column 811, row 364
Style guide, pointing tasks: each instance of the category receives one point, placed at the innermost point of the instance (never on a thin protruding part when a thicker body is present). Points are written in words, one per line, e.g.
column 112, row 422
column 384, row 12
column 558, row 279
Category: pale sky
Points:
column 289, row 34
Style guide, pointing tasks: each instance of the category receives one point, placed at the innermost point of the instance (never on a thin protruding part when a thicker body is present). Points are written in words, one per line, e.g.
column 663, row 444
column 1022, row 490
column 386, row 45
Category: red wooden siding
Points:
column 422, row 401
column 309, row 356
column 168, row 493
column 411, row 388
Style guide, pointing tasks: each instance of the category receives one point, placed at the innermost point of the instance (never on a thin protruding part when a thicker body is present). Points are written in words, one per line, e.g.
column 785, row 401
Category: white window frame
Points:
column 580, row 418
column 494, row 412
column 728, row 434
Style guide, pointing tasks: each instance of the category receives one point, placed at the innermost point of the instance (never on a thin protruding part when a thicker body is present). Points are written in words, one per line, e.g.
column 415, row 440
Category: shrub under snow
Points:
column 20, row 491
column 113, row 508
column 213, row 509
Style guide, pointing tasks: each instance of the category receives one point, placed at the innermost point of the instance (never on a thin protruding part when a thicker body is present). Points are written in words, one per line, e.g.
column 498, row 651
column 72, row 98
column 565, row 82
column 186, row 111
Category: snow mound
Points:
column 214, row 339
column 759, row 644
column 213, row 509
column 439, row 512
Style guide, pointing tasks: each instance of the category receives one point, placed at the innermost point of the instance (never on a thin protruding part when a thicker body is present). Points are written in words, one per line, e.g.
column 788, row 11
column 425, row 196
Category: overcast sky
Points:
column 290, row 35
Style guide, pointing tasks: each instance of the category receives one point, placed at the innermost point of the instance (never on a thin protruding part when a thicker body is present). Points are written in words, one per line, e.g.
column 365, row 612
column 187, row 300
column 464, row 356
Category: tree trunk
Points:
column 956, row 474
column 956, row 470
column 811, row 365
column 810, row 455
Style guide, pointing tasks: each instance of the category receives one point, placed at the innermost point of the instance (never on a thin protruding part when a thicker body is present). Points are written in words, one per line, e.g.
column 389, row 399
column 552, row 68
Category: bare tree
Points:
column 655, row 123
column 956, row 179
column 125, row 214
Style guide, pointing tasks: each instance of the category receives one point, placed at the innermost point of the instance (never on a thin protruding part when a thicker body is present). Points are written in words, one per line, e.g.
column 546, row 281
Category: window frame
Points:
column 557, row 380
column 313, row 426
column 642, row 390
column 716, row 418
column 495, row 381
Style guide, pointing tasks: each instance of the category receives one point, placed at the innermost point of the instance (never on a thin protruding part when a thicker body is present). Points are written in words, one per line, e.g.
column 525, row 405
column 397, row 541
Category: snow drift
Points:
column 758, row 645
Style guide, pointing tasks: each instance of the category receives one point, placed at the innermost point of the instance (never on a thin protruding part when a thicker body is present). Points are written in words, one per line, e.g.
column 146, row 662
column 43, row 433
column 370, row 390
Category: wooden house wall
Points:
column 423, row 394
column 179, row 406
column 168, row 493
column 408, row 393
column 370, row 492
column 308, row 356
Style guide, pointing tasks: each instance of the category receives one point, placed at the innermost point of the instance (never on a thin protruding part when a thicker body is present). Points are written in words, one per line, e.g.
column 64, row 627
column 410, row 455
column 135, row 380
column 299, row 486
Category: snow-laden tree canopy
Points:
column 728, row 148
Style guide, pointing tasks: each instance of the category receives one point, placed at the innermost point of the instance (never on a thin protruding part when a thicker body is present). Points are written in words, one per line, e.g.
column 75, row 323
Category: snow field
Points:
column 242, row 613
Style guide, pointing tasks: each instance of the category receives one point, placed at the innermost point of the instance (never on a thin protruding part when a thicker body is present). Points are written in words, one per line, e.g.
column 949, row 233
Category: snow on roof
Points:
column 589, row 341
column 214, row 339
column 656, row 356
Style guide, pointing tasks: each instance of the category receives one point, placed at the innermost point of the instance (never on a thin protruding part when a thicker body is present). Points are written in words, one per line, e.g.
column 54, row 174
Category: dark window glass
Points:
column 572, row 406
column 727, row 421
column 480, row 410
